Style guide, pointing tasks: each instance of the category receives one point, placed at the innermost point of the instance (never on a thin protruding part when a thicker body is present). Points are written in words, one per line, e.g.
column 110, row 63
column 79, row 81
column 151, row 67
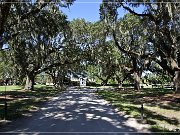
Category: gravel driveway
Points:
column 76, row 111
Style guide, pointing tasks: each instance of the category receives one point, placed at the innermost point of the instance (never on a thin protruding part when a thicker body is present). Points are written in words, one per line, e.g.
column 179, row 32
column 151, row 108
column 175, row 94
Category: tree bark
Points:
column 137, row 74
column 30, row 81
column 104, row 83
column 177, row 82
column 136, row 81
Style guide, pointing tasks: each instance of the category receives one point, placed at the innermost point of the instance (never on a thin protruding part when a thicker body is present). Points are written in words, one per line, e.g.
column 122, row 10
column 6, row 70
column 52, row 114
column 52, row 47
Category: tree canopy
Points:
column 40, row 39
column 160, row 22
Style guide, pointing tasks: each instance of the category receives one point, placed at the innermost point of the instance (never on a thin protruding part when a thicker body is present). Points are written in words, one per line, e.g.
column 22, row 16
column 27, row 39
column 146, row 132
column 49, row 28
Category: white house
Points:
column 82, row 81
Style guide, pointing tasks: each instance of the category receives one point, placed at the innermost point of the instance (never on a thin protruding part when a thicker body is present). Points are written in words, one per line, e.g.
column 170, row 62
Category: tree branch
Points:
column 122, row 49
column 56, row 65
column 34, row 11
column 127, row 75
column 143, row 15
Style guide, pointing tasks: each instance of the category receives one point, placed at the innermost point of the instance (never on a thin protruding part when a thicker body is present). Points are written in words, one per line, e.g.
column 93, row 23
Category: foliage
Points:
column 38, row 32
column 114, row 49
column 14, row 14
column 99, row 57
column 6, row 69
column 160, row 23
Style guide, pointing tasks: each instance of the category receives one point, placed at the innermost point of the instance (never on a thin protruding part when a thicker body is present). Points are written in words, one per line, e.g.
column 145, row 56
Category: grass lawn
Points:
column 23, row 102
column 161, row 106
column 9, row 88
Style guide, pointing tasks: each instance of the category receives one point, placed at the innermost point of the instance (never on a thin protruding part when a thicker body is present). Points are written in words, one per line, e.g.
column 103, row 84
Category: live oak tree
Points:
column 106, row 62
column 6, row 66
column 71, row 55
column 130, row 40
column 15, row 12
column 38, row 47
column 83, row 41
column 106, row 57
column 163, row 25
column 162, row 22
column 70, row 58
column 35, row 31
column 97, row 49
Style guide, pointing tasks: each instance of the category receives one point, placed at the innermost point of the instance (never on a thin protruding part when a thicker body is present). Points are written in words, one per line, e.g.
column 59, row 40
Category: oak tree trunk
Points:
column 136, row 81
column 177, row 81
column 104, row 83
column 29, row 82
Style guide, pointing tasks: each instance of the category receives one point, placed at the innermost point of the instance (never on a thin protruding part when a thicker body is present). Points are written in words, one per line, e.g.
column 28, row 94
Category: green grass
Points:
column 9, row 88
column 21, row 102
column 129, row 102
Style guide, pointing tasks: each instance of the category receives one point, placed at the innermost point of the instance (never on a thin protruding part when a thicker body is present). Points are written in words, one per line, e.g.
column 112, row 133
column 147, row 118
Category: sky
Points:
column 89, row 10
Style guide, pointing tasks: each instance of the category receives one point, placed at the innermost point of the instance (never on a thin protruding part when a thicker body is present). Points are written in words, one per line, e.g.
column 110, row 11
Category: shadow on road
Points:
column 76, row 111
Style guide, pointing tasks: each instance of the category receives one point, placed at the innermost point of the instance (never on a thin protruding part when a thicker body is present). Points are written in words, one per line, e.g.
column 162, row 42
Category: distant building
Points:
column 72, row 78
column 82, row 81
column 80, row 78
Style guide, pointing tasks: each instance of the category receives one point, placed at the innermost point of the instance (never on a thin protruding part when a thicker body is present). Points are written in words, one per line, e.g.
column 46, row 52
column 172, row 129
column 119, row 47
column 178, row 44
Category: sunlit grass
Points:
column 21, row 102
column 163, row 118
column 9, row 88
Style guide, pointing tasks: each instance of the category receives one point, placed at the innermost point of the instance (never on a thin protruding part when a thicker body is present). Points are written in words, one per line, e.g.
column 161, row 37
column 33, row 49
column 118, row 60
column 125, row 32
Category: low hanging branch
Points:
column 162, row 63
column 122, row 49
column 127, row 76
column 56, row 65
column 138, row 14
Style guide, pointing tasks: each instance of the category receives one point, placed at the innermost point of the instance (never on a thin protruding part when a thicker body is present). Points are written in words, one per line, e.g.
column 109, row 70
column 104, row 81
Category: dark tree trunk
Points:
column 104, row 83
column 177, row 81
column 119, row 81
column 30, row 81
column 137, row 74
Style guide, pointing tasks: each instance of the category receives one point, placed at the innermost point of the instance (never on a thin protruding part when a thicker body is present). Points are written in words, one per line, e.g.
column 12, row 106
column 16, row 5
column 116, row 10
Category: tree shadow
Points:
column 74, row 111
column 170, row 106
column 127, row 102
column 21, row 101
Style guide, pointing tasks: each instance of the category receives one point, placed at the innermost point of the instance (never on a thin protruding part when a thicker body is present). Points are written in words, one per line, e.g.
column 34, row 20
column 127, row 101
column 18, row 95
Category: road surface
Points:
column 76, row 111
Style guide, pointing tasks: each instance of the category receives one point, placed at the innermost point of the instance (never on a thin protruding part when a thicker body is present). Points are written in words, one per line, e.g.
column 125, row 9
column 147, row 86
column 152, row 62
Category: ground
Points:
column 76, row 110
column 161, row 106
